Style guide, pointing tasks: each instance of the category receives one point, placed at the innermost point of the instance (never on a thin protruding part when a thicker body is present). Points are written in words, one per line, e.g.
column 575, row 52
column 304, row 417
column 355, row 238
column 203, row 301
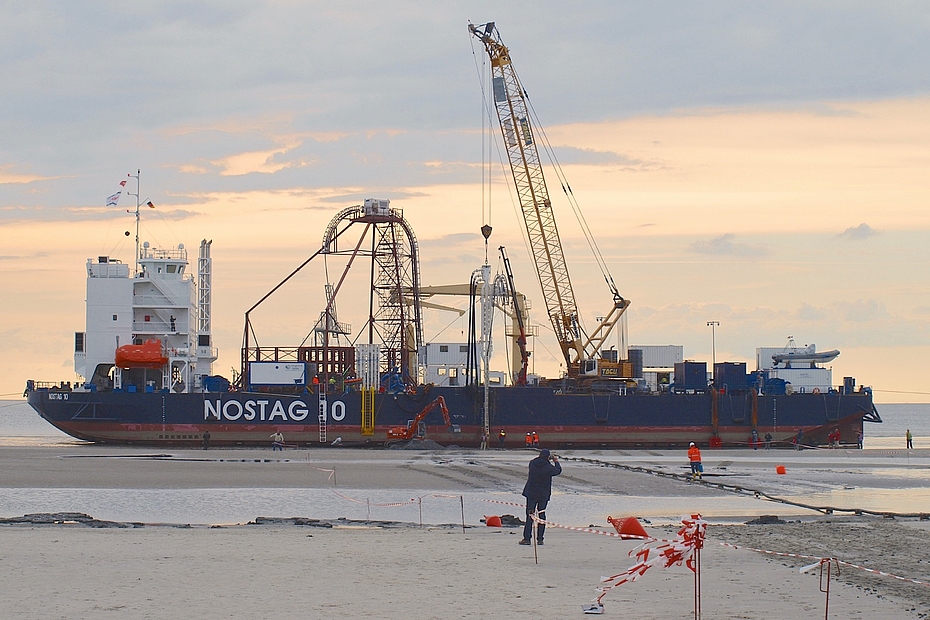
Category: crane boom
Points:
column 512, row 112
column 510, row 102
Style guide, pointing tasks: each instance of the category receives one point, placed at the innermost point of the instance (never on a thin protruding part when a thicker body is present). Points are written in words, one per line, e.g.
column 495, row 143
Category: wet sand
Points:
column 407, row 572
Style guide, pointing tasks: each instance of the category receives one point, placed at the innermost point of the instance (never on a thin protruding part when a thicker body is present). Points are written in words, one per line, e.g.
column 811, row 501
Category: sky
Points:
column 763, row 165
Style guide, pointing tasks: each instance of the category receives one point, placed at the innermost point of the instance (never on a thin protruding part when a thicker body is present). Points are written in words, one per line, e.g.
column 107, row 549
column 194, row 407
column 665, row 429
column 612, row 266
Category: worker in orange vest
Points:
column 535, row 440
column 529, row 440
column 694, row 455
column 501, row 436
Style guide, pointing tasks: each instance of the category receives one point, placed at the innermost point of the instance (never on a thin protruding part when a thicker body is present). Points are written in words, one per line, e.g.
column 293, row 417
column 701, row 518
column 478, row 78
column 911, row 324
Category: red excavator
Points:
column 404, row 433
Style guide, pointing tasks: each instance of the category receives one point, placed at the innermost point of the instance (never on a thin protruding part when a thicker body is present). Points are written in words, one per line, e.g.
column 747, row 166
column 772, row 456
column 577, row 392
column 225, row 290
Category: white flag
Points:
column 113, row 200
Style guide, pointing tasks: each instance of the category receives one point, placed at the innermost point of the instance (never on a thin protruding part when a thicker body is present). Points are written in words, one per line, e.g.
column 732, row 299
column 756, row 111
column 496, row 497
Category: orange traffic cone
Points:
column 630, row 527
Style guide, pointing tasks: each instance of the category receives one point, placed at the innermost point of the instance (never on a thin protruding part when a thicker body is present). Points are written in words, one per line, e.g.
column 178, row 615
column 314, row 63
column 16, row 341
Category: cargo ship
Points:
column 146, row 353
column 145, row 357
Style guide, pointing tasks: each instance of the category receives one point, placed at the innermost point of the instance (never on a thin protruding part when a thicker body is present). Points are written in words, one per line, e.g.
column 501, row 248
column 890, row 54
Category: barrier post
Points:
column 462, row 502
column 826, row 590
column 535, row 517
column 697, row 582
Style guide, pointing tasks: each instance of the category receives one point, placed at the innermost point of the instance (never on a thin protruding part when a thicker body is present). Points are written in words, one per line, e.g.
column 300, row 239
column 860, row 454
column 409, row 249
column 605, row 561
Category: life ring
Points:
column 815, row 391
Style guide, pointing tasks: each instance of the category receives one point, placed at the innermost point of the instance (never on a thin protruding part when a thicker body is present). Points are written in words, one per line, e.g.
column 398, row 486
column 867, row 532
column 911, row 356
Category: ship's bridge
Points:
column 163, row 264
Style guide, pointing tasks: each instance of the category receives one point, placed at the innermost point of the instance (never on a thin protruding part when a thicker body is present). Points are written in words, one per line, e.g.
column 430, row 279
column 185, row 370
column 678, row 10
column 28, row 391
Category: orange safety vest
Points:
column 694, row 455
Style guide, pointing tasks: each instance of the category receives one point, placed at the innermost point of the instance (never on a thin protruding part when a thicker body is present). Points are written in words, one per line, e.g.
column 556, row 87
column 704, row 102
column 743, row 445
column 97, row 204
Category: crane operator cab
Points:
column 589, row 368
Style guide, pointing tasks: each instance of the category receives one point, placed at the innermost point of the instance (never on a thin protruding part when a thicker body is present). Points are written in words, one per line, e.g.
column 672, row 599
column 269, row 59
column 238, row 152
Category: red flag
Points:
column 122, row 183
column 149, row 203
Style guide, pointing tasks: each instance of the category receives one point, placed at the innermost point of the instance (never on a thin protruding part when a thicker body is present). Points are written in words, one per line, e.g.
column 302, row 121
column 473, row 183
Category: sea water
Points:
column 21, row 426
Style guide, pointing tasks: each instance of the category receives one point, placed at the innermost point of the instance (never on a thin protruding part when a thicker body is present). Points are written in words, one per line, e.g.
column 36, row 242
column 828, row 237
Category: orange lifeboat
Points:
column 146, row 355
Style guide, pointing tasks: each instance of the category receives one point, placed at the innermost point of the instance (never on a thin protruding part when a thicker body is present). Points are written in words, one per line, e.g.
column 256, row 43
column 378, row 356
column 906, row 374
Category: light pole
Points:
column 713, row 335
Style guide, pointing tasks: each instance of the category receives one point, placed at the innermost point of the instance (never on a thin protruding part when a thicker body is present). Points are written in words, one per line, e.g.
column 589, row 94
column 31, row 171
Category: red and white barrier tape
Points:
column 665, row 554
column 589, row 530
column 497, row 501
column 332, row 472
column 820, row 559
column 379, row 505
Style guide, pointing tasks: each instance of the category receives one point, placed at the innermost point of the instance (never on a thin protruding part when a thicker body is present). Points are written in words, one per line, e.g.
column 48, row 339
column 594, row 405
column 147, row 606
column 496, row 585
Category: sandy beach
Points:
column 404, row 571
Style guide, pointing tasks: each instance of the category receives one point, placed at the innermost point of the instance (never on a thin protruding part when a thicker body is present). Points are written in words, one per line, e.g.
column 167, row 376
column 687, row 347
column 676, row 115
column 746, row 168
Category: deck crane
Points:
column 581, row 352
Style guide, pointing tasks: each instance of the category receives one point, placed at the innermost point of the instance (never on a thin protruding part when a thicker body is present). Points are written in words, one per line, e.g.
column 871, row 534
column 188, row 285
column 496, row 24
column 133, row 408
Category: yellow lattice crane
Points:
column 582, row 353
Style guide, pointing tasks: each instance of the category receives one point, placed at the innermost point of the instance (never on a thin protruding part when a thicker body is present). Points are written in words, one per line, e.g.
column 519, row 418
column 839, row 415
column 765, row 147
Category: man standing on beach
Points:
column 694, row 456
column 501, row 436
column 910, row 439
column 277, row 441
column 537, row 491
column 206, row 439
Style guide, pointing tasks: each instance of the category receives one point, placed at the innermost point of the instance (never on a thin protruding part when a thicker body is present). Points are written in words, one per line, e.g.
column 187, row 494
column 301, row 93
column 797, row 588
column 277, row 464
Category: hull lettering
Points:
column 249, row 410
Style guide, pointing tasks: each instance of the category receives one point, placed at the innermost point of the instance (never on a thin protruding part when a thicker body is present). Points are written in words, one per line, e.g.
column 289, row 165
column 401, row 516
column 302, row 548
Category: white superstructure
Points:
column 161, row 301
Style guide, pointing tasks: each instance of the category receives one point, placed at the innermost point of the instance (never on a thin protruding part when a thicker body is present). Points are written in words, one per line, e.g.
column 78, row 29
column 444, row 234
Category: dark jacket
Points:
column 539, row 481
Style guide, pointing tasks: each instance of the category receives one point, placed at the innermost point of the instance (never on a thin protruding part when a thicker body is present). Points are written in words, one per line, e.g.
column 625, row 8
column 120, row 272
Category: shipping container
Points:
column 690, row 376
column 805, row 379
column 660, row 356
column 730, row 376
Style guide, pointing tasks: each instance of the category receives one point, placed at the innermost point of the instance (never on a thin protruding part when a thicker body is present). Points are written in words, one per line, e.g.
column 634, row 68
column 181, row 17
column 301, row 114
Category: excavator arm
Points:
column 402, row 433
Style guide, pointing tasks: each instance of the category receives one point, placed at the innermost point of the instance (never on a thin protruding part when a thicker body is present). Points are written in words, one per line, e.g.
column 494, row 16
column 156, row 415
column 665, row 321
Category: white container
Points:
column 660, row 356
column 805, row 379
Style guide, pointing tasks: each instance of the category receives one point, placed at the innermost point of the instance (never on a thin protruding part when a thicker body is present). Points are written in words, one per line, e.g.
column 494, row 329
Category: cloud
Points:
column 592, row 157
column 7, row 176
column 862, row 231
column 263, row 162
column 725, row 246
column 861, row 310
column 449, row 241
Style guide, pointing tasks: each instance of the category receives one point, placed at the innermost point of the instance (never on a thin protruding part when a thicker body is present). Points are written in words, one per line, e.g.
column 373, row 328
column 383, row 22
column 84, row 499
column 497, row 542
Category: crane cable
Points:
column 505, row 168
column 567, row 190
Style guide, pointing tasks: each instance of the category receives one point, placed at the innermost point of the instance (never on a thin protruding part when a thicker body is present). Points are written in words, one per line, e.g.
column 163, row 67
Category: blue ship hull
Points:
column 563, row 420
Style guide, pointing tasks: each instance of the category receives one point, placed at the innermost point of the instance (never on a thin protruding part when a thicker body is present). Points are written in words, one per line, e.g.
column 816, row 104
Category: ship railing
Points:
column 272, row 354
column 174, row 253
column 156, row 301
column 50, row 385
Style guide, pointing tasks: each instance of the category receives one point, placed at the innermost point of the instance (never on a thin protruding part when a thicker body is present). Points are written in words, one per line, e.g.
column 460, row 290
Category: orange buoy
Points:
column 493, row 521
column 780, row 469
column 630, row 527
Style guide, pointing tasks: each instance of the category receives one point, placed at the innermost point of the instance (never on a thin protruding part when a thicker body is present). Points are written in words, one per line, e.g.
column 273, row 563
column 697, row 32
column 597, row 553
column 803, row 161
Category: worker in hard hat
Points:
column 694, row 456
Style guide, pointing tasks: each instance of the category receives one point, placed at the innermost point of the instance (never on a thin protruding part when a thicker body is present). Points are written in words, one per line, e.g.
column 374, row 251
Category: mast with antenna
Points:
column 138, row 204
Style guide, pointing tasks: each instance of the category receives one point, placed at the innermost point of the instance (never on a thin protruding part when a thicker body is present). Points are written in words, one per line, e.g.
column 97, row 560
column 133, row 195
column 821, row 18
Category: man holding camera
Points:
column 537, row 492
